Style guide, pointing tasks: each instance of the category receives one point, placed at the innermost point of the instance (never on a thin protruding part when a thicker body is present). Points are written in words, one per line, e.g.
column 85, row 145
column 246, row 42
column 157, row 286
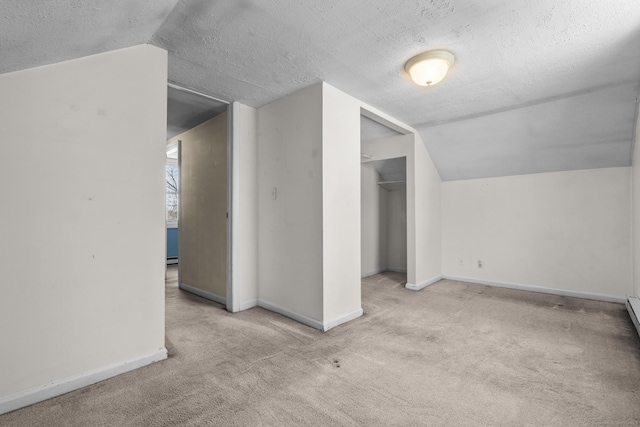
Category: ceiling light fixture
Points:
column 430, row 67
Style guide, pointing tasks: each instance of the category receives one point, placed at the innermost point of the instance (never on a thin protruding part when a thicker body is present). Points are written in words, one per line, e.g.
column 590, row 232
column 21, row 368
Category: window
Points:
column 173, row 180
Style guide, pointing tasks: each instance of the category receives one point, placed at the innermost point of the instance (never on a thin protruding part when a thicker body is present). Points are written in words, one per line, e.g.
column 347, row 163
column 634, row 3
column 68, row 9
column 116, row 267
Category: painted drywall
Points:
column 290, row 204
column 203, row 206
column 340, row 206
column 309, row 227
column 396, row 248
column 423, row 205
column 568, row 231
column 245, row 207
column 383, row 225
column 82, row 254
column 584, row 131
column 635, row 185
column 428, row 223
column 373, row 223
column 309, row 203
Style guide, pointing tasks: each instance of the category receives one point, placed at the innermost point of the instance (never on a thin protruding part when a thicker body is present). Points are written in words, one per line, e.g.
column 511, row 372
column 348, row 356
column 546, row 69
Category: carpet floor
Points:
column 453, row 354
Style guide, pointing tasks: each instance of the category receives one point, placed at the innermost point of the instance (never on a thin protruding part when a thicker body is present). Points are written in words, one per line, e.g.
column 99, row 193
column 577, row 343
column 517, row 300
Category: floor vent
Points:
column 633, row 307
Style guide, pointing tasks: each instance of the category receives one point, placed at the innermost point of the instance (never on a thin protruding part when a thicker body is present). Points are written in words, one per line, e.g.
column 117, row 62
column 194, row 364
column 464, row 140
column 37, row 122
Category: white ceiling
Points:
column 186, row 110
column 538, row 85
column 39, row 32
column 370, row 129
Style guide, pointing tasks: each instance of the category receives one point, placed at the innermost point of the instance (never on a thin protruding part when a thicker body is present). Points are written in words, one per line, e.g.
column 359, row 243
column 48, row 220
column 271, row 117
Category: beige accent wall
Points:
column 203, row 192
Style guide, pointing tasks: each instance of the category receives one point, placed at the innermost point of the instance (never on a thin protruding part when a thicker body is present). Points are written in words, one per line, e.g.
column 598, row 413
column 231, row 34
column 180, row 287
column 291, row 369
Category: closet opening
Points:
column 383, row 206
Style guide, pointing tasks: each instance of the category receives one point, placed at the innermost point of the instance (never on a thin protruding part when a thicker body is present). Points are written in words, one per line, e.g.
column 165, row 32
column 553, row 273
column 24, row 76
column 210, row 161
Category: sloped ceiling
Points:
column 590, row 130
column 40, row 32
column 186, row 110
column 537, row 85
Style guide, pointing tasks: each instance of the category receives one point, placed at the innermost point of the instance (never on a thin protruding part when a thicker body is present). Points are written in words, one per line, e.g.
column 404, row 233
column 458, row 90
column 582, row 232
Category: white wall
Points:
column 82, row 254
column 396, row 228
column 373, row 223
column 309, row 235
column 383, row 225
column 340, row 206
column 245, row 208
column 567, row 231
column 636, row 211
column 290, row 227
column 428, row 226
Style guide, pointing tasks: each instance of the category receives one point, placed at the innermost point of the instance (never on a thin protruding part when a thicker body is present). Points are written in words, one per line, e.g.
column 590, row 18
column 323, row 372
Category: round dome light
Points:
column 429, row 68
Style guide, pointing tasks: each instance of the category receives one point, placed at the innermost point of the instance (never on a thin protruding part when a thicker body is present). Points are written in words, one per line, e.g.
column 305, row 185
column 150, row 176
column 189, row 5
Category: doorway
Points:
column 383, row 205
column 384, row 216
column 198, row 129
column 171, row 209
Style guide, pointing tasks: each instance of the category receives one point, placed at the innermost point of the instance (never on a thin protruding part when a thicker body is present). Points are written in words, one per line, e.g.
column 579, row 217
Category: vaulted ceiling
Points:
column 538, row 85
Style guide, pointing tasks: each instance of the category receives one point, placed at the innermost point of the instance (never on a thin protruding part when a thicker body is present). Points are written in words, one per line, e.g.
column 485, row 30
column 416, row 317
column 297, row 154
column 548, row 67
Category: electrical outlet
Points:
column 274, row 193
column 479, row 264
column 461, row 262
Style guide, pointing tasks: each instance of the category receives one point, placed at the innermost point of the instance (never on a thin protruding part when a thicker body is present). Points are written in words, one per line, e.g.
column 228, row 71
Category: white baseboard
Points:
column 552, row 291
column 248, row 304
column 204, row 294
column 316, row 324
column 633, row 307
column 57, row 388
column 306, row 320
column 373, row 273
column 382, row 270
column 342, row 319
column 424, row 284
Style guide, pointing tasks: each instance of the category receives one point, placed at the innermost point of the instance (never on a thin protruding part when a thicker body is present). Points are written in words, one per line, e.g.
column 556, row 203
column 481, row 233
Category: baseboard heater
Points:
column 633, row 307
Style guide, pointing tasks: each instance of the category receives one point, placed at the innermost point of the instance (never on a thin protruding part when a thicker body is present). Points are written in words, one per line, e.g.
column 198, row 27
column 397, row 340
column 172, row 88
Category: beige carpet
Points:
column 453, row 354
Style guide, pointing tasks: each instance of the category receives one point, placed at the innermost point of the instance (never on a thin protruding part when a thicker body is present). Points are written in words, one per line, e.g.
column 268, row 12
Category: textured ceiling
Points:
column 39, row 32
column 591, row 130
column 370, row 129
column 186, row 110
column 527, row 72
